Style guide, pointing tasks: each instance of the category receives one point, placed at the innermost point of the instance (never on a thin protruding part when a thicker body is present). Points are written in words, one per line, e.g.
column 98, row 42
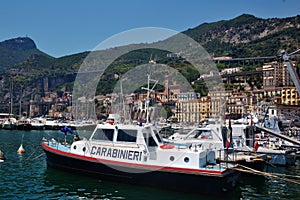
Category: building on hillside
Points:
column 188, row 96
column 204, row 107
column 276, row 75
column 231, row 70
column 188, row 111
column 289, row 96
column 217, row 103
column 189, row 108
column 237, row 104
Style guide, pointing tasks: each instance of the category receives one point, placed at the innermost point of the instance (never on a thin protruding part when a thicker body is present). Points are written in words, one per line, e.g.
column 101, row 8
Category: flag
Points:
column 229, row 136
column 66, row 129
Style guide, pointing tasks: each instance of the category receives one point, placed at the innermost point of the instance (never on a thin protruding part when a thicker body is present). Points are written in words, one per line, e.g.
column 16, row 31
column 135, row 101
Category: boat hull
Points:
column 26, row 127
column 189, row 181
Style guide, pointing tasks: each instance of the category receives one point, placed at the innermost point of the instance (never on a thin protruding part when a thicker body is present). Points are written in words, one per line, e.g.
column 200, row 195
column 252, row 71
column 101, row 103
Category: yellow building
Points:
column 289, row 96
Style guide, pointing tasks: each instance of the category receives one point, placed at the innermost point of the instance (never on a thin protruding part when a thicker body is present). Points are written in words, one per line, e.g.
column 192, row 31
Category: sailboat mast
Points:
column 11, row 96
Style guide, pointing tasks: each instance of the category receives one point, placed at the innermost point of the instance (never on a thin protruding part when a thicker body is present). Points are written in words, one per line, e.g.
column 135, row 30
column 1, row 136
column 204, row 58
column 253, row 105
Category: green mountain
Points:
column 247, row 36
column 16, row 50
column 243, row 36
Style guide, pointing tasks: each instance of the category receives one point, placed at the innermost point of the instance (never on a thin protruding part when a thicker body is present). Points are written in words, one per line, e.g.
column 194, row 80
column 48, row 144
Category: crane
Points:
column 293, row 74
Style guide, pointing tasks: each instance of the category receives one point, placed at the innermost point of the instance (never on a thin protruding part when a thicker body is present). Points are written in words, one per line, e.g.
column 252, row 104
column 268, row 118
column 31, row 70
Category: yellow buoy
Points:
column 21, row 149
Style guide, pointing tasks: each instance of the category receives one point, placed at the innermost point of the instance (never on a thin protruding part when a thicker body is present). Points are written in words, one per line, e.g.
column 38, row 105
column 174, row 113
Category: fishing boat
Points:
column 214, row 136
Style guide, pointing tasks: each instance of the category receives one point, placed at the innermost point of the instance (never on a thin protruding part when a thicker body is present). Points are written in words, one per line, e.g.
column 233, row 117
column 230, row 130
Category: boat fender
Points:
column 2, row 157
column 167, row 146
column 255, row 146
column 21, row 149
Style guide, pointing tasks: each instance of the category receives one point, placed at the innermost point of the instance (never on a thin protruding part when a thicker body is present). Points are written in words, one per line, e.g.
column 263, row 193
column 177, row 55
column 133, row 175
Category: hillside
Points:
column 247, row 36
column 243, row 36
column 14, row 51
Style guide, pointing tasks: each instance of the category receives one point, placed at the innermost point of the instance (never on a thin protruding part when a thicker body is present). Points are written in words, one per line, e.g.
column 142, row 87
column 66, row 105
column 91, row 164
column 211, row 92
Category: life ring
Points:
column 167, row 146
column 255, row 146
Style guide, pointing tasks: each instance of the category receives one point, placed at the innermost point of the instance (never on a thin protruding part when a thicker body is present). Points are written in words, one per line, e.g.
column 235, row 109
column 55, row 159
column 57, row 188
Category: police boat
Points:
column 136, row 154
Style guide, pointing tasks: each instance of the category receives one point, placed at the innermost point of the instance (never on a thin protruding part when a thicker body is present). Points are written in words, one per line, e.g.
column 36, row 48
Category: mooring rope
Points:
column 272, row 175
column 38, row 156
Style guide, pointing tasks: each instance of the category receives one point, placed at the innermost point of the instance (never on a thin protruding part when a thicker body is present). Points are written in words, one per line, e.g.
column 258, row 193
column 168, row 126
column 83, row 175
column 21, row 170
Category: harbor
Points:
column 117, row 100
column 27, row 176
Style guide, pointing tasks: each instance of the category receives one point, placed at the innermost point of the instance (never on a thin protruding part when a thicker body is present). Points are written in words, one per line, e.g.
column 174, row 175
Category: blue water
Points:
column 28, row 177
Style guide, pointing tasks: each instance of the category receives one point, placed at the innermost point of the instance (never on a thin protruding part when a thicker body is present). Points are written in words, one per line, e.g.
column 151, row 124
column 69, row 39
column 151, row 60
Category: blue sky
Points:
column 64, row 27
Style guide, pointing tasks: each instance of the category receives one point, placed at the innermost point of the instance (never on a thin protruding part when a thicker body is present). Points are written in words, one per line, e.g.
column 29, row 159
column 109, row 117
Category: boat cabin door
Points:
column 151, row 145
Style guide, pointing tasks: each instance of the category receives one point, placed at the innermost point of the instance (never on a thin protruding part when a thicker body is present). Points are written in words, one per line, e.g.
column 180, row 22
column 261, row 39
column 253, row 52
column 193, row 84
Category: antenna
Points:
column 122, row 99
column 149, row 90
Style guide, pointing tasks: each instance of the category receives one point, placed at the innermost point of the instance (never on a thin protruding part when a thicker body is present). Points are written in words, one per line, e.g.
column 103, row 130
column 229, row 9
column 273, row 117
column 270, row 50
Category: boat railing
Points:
column 56, row 144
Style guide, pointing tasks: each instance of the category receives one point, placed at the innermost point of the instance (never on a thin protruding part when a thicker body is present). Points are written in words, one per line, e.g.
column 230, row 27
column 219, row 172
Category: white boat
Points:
column 214, row 136
column 52, row 124
column 38, row 123
column 279, row 155
column 244, row 136
column 24, row 124
column 136, row 154
column 10, row 123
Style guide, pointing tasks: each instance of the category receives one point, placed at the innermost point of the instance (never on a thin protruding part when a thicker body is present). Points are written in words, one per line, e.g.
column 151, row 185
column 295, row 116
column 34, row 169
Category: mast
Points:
column 148, row 91
column 122, row 101
column 148, row 98
column 11, row 96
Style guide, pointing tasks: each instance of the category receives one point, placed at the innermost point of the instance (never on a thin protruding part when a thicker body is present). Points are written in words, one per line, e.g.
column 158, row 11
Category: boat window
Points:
column 152, row 142
column 127, row 135
column 201, row 134
column 149, row 140
column 158, row 136
column 104, row 134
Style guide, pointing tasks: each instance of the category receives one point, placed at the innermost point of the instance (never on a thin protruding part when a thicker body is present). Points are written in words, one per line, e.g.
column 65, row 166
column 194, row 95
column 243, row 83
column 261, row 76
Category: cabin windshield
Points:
column 149, row 140
column 104, row 134
column 158, row 136
column 200, row 134
column 127, row 135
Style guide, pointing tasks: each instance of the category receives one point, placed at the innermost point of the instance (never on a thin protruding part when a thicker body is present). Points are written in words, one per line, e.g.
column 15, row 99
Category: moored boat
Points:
column 244, row 137
column 267, row 142
column 213, row 136
column 137, row 155
column 24, row 124
column 52, row 124
column 10, row 123
column 38, row 123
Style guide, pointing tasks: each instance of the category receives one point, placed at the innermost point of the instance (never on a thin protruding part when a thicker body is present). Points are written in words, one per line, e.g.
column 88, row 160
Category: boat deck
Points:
column 209, row 168
column 58, row 146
